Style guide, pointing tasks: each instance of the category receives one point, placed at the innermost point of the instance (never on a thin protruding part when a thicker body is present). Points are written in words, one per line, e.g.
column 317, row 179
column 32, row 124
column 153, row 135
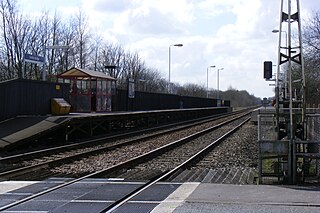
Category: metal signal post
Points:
column 290, row 113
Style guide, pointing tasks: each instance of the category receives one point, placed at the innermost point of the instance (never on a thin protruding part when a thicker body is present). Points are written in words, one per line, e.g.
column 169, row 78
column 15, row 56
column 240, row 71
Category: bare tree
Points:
column 21, row 35
column 54, row 40
column 14, row 35
column 150, row 80
column 82, row 40
column 240, row 98
column 67, row 36
column 112, row 55
column 311, row 36
column 95, row 57
column 311, row 41
column 190, row 90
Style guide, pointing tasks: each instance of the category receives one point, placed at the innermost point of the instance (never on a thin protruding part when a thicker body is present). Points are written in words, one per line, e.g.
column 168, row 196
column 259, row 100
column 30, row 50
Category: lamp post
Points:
column 173, row 45
column 111, row 69
column 277, row 31
column 44, row 55
column 285, row 74
column 218, row 82
column 208, row 78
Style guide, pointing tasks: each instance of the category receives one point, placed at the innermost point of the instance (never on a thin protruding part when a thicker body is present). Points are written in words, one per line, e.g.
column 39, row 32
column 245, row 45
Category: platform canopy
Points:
column 84, row 73
column 89, row 90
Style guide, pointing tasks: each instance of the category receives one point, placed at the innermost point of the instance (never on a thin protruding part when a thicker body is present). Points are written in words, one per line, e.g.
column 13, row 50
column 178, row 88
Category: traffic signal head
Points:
column 267, row 70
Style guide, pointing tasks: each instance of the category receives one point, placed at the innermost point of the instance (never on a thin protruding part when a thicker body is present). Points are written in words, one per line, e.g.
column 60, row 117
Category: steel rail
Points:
column 122, row 165
column 97, row 141
column 100, row 140
column 32, row 168
column 139, row 190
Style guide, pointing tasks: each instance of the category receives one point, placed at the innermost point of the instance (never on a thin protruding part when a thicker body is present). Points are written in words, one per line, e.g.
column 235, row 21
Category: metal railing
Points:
column 274, row 152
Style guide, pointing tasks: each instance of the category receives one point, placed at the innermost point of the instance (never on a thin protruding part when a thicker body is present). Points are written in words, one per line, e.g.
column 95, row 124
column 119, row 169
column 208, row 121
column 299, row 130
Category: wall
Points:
column 158, row 101
column 29, row 97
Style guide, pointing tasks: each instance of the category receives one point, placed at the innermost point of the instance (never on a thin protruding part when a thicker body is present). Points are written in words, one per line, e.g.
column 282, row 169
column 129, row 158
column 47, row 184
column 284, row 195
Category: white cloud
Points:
column 155, row 18
column 237, row 46
column 107, row 6
column 214, row 8
column 234, row 34
column 179, row 10
column 146, row 21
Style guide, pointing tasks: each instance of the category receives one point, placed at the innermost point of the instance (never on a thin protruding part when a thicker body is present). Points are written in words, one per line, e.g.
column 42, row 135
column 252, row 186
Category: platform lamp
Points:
column 278, row 69
column 173, row 45
column 218, row 97
column 112, row 68
column 208, row 78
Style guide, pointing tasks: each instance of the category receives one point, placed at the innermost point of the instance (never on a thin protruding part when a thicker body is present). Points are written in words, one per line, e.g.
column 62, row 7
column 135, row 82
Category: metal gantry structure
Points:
column 291, row 53
column 288, row 150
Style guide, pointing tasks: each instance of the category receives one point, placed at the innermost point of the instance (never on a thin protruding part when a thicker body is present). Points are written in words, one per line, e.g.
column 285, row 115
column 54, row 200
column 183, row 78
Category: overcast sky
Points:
column 231, row 34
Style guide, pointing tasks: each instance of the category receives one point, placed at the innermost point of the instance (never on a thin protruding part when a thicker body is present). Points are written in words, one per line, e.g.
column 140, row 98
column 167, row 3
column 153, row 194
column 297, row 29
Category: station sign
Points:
column 34, row 59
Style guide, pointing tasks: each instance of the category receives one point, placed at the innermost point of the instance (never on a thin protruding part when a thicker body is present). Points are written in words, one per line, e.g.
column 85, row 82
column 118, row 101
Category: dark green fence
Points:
column 158, row 101
column 29, row 97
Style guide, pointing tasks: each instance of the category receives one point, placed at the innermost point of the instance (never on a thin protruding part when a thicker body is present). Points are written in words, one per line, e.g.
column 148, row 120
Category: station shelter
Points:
column 90, row 91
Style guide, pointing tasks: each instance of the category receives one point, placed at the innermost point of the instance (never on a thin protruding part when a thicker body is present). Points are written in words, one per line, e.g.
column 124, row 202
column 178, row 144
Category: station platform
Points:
column 77, row 126
column 23, row 127
column 93, row 195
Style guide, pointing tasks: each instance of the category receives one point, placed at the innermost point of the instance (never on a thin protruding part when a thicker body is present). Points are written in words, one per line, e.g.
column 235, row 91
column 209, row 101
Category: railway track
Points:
column 234, row 161
column 18, row 166
column 185, row 149
column 171, row 172
column 159, row 155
